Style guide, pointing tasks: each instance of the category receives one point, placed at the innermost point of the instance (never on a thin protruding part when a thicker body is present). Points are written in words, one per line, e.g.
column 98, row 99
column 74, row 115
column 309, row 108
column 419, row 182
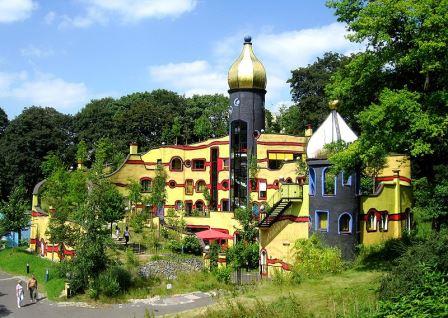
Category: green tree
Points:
column 308, row 94
column 14, row 213
column 158, row 192
column 398, row 87
column 27, row 139
column 3, row 121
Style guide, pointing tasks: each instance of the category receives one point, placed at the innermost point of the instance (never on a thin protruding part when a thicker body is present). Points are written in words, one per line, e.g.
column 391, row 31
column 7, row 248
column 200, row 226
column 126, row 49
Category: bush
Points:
column 192, row 245
column 312, row 259
column 111, row 282
column 243, row 255
column 175, row 246
column 418, row 285
column 223, row 274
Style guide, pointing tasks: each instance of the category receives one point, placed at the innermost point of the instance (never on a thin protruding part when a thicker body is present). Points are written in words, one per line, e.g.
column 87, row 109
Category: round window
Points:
column 172, row 184
column 225, row 184
column 187, row 163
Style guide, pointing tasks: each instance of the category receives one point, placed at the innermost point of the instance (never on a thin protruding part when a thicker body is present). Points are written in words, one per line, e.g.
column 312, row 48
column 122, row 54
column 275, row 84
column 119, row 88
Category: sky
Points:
column 63, row 53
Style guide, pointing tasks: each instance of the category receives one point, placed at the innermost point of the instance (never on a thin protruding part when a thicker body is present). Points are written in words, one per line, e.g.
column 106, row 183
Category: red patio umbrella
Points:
column 213, row 235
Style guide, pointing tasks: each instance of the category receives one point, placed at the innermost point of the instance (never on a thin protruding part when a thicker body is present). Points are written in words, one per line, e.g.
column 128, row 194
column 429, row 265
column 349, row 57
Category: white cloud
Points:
column 127, row 11
column 280, row 53
column 197, row 77
column 43, row 90
column 37, row 52
column 50, row 17
column 15, row 10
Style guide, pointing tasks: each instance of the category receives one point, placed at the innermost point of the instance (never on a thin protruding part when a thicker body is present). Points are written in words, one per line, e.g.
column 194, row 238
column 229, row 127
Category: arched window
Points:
column 329, row 180
column 189, row 187
column 199, row 205
column 312, row 181
column 178, row 205
column 176, row 164
column 384, row 221
column 200, row 186
column 146, row 184
column 371, row 221
column 345, row 224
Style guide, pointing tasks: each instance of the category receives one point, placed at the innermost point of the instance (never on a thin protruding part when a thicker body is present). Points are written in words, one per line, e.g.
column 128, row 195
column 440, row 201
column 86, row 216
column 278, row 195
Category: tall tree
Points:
column 28, row 138
column 308, row 93
column 400, row 84
column 14, row 213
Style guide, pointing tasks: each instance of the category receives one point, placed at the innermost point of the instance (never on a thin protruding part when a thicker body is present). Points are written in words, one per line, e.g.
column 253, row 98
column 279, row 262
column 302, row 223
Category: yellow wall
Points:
column 278, row 239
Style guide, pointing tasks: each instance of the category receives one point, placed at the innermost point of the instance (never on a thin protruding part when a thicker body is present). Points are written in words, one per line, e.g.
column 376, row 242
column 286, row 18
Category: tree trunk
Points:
column 19, row 236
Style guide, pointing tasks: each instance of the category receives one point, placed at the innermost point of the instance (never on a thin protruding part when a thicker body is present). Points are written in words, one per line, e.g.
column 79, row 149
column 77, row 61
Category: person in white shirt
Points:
column 19, row 293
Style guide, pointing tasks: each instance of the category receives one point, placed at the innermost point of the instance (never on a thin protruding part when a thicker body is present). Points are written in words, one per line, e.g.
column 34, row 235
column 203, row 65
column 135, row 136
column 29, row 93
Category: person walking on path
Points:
column 32, row 287
column 19, row 293
column 126, row 236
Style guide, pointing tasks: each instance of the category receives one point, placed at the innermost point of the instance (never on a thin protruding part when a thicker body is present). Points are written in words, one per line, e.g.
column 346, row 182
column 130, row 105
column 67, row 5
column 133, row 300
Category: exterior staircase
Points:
column 279, row 202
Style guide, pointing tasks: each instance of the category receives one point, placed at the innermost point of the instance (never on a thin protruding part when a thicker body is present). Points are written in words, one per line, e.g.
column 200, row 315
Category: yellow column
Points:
column 397, row 201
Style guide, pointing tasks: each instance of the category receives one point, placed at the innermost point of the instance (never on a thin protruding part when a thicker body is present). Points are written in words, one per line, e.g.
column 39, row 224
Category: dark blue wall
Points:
column 344, row 201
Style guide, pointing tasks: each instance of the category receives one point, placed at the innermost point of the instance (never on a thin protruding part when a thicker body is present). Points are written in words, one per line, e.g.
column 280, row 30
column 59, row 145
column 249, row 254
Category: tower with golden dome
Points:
column 247, row 89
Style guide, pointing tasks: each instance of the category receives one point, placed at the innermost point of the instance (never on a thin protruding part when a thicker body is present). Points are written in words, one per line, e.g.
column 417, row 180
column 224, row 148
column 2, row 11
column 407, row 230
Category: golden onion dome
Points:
column 247, row 71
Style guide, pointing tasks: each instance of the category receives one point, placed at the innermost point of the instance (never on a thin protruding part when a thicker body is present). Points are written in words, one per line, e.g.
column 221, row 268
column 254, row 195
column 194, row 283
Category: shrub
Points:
column 174, row 246
column 243, row 255
column 192, row 245
column 223, row 274
column 312, row 259
column 107, row 284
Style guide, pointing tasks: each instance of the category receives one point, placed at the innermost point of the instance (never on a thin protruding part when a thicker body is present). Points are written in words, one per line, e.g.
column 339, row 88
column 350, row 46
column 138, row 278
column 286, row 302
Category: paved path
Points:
column 44, row 308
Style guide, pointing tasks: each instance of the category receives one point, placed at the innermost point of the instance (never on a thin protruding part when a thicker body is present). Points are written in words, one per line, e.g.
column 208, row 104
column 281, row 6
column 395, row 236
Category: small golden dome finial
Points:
column 247, row 71
column 334, row 104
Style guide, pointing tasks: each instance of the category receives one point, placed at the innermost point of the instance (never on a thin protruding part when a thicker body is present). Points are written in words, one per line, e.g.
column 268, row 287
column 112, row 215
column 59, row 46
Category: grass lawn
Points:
column 349, row 294
column 14, row 260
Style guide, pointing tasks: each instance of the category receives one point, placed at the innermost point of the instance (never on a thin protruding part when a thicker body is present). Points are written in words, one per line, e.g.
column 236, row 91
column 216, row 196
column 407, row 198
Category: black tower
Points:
column 247, row 83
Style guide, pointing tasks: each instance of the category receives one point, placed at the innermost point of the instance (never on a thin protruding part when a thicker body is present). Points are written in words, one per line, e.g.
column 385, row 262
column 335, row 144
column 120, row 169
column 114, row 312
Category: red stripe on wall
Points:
column 285, row 266
column 391, row 178
column 280, row 143
column 135, row 162
column 190, row 147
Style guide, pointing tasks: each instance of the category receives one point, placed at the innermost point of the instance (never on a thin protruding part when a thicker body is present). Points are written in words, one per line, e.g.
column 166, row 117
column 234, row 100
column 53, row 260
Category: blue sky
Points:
column 62, row 53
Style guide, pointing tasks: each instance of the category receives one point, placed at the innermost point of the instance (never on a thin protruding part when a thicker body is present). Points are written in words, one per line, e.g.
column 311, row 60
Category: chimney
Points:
column 308, row 130
column 133, row 148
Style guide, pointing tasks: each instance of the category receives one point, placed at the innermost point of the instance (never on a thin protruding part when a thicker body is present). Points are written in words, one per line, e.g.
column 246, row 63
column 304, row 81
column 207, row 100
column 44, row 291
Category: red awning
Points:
column 213, row 235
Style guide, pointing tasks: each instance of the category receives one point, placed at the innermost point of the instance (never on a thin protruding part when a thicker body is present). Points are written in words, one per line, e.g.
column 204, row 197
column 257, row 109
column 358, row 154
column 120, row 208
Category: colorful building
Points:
column 249, row 168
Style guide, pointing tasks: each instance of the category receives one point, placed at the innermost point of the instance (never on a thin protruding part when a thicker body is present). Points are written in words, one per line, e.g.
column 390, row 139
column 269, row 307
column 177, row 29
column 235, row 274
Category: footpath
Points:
column 157, row 306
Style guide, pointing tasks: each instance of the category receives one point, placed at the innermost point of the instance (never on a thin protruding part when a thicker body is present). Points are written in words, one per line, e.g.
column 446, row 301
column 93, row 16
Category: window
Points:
column 322, row 221
column 188, row 207
column 172, row 184
column 384, row 221
column 199, row 205
column 312, row 181
column 178, row 205
column 225, row 164
column 225, row 205
column 188, row 163
column 253, row 185
column 146, row 184
column 262, row 189
column 176, row 164
column 225, row 185
column 346, row 178
column 371, row 221
column 345, row 224
column 198, row 164
column 329, row 180
column 276, row 159
column 201, row 186
column 189, row 187
column 288, row 180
